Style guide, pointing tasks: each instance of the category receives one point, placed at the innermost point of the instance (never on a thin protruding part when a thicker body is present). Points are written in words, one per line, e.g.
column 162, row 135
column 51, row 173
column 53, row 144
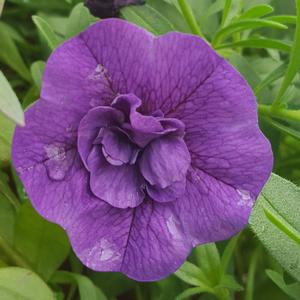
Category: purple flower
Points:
column 108, row 8
column 141, row 148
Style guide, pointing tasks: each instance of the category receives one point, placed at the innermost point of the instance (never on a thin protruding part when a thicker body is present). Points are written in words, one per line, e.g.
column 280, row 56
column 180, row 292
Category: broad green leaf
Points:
column 189, row 293
column 273, row 76
column 87, row 289
column 44, row 5
column 147, row 17
column 242, row 25
column 276, row 222
column 10, row 54
column 6, row 133
column 285, row 19
column 193, row 275
column 292, row 290
column 9, row 103
column 294, row 63
column 208, row 260
column 37, row 70
column 79, row 19
column 43, row 244
column 46, row 31
column 257, row 11
column 263, row 43
column 22, row 284
column 8, row 206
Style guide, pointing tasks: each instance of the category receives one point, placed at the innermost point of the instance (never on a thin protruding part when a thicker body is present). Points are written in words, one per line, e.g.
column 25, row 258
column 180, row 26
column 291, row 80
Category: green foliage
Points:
column 261, row 38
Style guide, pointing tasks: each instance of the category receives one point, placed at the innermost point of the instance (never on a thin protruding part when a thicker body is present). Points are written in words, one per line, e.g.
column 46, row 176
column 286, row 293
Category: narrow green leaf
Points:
column 193, row 275
column 6, row 133
column 242, row 25
column 87, row 289
column 46, row 31
column 10, row 54
column 22, row 284
column 228, row 253
column 257, row 11
column 273, row 76
column 230, row 283
column 43, row 244
column 208, row 260
column 260, row 43
column 294, row 64
column 1, row 6
column 189, row 293
column 9, row 103
column 226, row 11
column 37, row 70
column 147, row 17
column 284, row 128
column 79, row 19
column 285, row 19
column 276, row 222
column 251, row 276
column 292, row 290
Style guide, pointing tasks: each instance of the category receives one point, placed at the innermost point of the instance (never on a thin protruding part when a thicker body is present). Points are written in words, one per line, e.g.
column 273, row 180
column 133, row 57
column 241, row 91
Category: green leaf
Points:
column 1, row 6
column 285, row 129
column 285, row 19
column 193, row 275
column 147, row 17
column 276, row 222
column 226, row 11
column 46, row 31
column 273, row 76
column 43, row 244
column 242, row 25
column 257, row 11
column 189, row 293
column 292, row 290
column 10, row 54
column 6, row 134
column 294, row 63
column 37, row 70
column 87, row 289
column 230, row 283
column 260, row 43
column 79, row 19
column 22, row 284
column 228, row 253
column 208, row 260
column 9, row 103
column 8, row 205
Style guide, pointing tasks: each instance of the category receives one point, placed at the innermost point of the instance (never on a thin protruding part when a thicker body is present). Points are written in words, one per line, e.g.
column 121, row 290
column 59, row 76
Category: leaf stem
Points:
column 190, row 17
column 12, row 255
column 281, row 113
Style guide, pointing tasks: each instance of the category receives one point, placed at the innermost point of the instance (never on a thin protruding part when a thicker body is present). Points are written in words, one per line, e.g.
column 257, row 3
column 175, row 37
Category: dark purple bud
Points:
column 108, row 8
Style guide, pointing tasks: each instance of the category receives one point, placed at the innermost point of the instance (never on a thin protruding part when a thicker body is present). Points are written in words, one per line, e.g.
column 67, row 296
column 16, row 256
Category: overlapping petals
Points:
column 141, row 148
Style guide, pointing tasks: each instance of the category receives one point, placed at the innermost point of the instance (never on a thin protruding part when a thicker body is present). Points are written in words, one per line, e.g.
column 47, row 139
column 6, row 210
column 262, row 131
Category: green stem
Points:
column 189, row 17
column 12, row 255
column 281, row 113
column 251, row 275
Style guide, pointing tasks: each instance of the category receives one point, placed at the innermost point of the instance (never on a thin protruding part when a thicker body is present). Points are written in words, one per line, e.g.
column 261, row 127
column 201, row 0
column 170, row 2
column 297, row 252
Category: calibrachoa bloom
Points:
column 108, row 8
column 141, row 147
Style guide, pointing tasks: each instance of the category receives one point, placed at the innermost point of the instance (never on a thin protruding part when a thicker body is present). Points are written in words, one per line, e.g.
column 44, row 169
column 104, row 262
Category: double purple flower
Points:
column 141, row 148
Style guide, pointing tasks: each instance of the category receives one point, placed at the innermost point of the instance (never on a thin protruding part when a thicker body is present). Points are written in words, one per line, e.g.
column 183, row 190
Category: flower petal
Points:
column 120, row 186
column 90, row 126
column 212, row 210
column 222, row 132
column 165, row 161
column 75, row 79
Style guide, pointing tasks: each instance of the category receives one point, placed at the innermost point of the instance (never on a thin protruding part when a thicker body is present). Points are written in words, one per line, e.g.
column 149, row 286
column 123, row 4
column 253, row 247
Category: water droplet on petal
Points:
column 245, row 198
column 57, row 163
